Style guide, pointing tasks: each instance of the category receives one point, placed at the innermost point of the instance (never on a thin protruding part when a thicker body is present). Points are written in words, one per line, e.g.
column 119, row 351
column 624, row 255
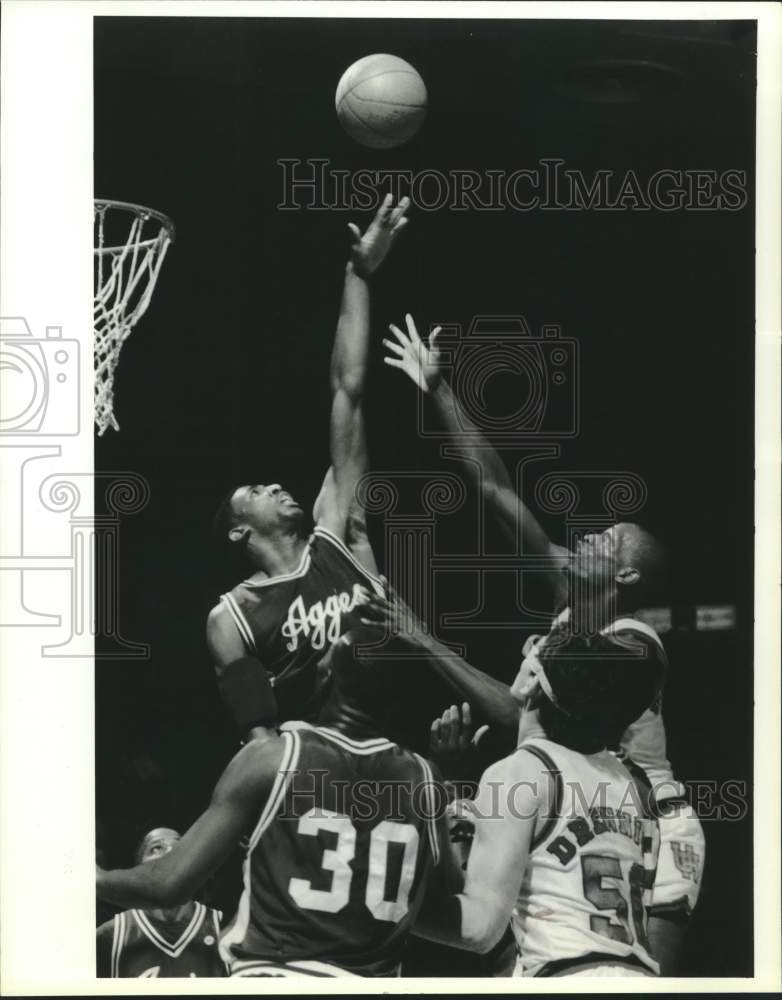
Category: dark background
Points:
column 225, row 379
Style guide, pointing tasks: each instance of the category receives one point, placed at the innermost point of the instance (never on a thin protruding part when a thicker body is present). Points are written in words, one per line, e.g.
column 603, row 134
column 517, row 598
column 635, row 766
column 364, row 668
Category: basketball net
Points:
column 128, row 258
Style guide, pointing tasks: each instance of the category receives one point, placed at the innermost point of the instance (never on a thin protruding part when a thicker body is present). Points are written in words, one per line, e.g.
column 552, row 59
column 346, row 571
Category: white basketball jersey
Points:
column 591, row 866
column 644, row 742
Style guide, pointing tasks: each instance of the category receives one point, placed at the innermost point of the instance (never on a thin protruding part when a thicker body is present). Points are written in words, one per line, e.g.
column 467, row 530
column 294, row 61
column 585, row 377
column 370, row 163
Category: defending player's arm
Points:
column 236, row 802
column 490, row 698
column 422, row 363
column 349, row 364
column 505, row 810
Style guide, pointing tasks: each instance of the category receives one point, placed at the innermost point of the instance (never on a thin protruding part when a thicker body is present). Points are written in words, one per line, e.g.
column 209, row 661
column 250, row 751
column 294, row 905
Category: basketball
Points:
column 381, row 101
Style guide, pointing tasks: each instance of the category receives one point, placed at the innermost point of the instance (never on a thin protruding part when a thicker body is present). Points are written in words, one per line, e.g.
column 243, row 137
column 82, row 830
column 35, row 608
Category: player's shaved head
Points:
column 638, row 549
column 155, row 844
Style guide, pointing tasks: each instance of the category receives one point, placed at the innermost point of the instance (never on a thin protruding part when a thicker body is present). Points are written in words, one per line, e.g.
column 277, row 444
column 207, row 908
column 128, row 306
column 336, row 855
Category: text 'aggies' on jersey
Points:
column 290, row 621
column 339, row 861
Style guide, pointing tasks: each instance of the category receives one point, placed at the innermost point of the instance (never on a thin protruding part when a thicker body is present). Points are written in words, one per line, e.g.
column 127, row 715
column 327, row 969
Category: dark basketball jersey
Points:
column 290, row 621
column 136, row 944
column 337, row 866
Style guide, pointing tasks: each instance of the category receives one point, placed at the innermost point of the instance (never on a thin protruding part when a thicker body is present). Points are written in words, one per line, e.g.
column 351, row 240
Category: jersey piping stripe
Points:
column 237, row 930
column 551, row 819
column 633, row 625
column 431, row 823
column 117, row 943
column 239, row 620
column 348, row 554
column 619, row 624
column 360, row 747
column 290, row 759
column 641, row 781
column 172, row 950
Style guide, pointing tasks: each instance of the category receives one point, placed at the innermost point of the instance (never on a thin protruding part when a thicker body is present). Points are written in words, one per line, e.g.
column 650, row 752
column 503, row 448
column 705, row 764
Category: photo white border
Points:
column 47, row 840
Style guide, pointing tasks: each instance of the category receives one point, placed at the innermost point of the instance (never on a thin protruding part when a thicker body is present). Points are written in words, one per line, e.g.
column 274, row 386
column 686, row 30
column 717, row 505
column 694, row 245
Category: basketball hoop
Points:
column 128, row 258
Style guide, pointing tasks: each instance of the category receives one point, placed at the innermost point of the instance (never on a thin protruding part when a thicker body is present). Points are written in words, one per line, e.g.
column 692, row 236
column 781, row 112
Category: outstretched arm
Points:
column 349, row 362
column 175, row 877
column 504, row 813
column 483, row 466
column 490, row 698
column 356, row 531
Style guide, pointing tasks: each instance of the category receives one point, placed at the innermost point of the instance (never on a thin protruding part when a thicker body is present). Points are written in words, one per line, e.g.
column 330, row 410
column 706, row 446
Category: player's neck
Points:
column 278, row 554
column 173, row 915
column 530, row 727
column 349, row 719
column 593, row 612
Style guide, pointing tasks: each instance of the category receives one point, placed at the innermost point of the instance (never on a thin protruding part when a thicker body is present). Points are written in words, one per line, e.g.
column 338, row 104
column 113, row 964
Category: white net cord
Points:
column 125, row 277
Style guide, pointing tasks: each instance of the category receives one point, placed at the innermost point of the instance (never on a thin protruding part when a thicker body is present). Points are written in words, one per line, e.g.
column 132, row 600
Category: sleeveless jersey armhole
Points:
column 431, row 818
column 549, row 821
column 231, row 605
column 345, row 551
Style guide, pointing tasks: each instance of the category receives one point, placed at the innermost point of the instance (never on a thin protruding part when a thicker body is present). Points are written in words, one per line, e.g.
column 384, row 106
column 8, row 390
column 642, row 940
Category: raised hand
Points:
column 453, row 737
column 388, row 612
column 419, row 360
column 369, row 251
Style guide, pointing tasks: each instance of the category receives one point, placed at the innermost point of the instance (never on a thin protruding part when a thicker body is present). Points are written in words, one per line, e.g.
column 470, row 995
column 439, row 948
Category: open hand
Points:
column 369, row 251
column 419, row 360
column 453, row 737
column 387, row 611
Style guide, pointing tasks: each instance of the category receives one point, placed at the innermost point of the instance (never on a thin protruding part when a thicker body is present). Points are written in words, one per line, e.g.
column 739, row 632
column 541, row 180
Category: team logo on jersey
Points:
column 321, row 621
column 687, row 860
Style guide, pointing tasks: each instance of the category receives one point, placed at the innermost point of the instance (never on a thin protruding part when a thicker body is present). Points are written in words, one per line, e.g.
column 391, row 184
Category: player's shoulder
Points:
column 106, row 929
column 260, row 753
column 217, row 617
column 514, row 787
column 224, row 636
column 254, row 767
column 517, row 766
column 325, row 539
column 635, row 631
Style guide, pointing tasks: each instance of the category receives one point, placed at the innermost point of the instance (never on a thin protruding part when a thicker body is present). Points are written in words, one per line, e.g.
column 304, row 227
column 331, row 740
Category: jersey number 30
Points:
column 338, row 861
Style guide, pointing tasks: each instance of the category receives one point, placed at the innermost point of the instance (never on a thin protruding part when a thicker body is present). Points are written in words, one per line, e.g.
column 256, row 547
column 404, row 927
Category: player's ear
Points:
column 238, row 533
column 531, row 688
